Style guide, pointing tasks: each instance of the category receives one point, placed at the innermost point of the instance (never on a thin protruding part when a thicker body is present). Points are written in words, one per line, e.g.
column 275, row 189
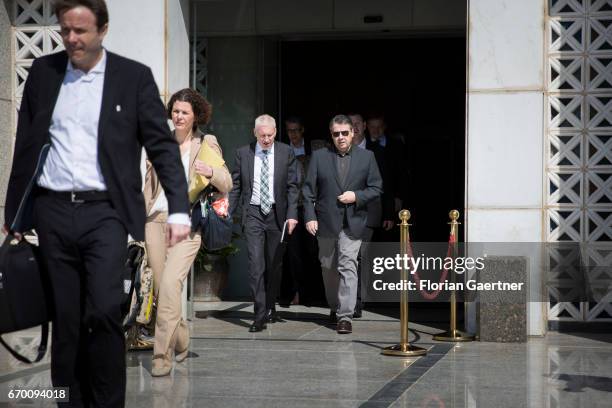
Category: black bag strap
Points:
column 42, row 347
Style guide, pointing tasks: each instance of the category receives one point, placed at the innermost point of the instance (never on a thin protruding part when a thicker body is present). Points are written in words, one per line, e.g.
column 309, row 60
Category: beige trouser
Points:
column 170, row 269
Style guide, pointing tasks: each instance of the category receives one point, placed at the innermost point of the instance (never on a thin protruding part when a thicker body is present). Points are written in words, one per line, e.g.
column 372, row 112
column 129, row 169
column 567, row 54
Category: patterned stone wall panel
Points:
column 598, row 275
column 599, row 150
column 21, row 74
column 599, row 189
column 34, row 12
column 53, row 40
column 599, row 34
column 565, row 150
column 579, row 146
column 569, row 311
column 599, row 112
column 201, row 64
column 567, row 35
column 600, row 7
column 598, row 225
column 565, row 112
column 600, row 311
column 566, row 8
column 599, row 73
column 565, row 188
column 30, row 12
column 566, row 73
column 29, row 43
column 565, row 224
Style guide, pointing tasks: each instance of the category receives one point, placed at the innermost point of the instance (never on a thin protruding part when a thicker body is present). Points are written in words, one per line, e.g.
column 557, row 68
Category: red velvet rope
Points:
column 430, row 296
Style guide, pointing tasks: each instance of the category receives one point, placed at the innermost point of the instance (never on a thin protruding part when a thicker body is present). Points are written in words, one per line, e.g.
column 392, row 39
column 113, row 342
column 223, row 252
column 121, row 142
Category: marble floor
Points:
column 302, row 362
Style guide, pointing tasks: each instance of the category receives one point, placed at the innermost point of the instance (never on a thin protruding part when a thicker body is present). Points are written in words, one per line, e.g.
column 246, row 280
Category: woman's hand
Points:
column 203, row 169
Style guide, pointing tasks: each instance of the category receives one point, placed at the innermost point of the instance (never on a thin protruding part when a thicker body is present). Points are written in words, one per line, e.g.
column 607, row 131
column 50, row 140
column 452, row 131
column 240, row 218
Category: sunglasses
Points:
column 342, row 132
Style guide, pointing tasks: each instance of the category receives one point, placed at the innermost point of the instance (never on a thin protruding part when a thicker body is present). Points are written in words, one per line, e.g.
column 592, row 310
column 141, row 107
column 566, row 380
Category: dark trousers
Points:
column 300, row 257
column 265, row 258
column 85, row 248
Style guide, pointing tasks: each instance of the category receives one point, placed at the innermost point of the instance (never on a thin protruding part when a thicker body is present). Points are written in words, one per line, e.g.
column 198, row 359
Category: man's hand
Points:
column 312, row 227
column 203, row 169
column 291, row 223
column 175, row 233
column 348, row 197
column 387, row 225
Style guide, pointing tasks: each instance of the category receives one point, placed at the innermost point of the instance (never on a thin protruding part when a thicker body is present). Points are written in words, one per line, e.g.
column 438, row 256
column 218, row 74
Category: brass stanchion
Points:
column 453, row 334
column 404, row 348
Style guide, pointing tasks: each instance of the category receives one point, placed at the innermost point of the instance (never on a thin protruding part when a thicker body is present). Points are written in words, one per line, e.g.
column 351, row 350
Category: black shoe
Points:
column 332, row 318
column 358, row 312
column 257, row 326
column 344, row 327
column 272, row 316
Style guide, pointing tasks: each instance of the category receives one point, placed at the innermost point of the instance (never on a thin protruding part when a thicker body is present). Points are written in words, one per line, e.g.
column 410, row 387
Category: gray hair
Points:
column 341, row 120
column 265, row 120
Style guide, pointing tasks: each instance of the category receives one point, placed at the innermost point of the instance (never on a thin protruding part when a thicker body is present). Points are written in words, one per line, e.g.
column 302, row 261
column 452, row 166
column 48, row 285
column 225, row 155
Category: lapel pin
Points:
column 118, row 108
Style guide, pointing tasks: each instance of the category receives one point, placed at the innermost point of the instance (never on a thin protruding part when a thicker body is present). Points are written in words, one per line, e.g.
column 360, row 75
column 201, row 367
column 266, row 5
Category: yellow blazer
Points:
column 221, row 177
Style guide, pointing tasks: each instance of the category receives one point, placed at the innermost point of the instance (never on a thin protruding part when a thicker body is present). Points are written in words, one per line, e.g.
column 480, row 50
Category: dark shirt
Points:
column 343, row 162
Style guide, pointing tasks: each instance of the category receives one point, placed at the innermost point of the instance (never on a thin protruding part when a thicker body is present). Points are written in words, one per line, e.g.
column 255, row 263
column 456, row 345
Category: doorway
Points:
column 418, row 84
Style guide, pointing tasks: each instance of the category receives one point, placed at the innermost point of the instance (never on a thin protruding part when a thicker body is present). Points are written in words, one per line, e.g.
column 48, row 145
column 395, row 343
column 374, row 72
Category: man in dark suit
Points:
column 392, row 154
column 340, row 183
column 380, row 210
column 265, row 186
column 301, row 247
column 95, row 109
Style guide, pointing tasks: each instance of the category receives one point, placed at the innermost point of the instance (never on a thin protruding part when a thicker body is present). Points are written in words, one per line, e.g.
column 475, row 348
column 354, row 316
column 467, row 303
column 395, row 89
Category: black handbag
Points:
column 216, row 230
column 25, row 299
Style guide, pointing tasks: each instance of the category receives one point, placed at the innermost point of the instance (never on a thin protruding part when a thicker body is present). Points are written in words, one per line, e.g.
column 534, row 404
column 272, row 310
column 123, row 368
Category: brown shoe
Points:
column 344, row 327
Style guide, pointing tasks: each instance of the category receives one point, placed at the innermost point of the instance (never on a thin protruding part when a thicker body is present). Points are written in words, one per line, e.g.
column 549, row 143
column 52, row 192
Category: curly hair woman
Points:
column 187, row 109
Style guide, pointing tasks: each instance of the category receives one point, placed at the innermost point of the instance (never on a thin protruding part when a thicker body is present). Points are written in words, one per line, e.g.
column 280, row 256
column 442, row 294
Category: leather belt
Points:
column 77, row 196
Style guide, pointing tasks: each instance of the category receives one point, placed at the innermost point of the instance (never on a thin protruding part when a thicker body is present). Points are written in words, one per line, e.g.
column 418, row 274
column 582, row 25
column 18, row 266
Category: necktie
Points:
column 264, row 189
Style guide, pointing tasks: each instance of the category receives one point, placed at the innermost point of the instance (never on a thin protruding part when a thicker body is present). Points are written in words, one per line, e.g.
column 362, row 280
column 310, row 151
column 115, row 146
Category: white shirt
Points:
column 255, row 200
column 72, row 163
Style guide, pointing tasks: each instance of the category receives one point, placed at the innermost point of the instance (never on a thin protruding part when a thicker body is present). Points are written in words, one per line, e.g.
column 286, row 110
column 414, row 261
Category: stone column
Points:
column 158, row 37
column 6, row 100
column 505, row 112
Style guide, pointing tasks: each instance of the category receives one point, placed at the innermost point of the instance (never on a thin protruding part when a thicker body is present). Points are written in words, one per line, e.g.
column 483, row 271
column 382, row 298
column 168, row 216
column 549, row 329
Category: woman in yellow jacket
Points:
column 187, row 109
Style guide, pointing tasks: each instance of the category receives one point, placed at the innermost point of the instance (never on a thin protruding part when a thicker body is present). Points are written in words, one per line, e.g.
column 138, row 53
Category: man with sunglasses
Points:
column 340, row 183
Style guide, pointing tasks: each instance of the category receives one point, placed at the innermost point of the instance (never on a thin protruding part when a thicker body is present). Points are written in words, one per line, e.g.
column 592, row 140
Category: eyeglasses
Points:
column 342, row 132
column 289, row 130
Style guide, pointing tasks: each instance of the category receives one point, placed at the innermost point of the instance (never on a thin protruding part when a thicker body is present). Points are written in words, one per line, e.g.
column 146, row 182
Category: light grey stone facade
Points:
column 6, row 101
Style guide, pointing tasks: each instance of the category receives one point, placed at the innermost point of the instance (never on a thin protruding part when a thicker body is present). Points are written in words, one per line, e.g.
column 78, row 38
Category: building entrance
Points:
column 421, row 94
column 419, row 89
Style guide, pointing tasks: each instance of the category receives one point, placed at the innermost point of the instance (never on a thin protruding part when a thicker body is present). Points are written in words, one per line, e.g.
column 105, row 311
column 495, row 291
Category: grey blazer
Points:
column 322, row 188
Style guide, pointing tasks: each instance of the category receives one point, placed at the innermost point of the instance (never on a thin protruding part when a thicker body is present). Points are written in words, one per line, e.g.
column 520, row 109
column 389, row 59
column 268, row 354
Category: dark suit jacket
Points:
column 381, row 209
column 139, row 120
column 285, row 181
column 322, row 188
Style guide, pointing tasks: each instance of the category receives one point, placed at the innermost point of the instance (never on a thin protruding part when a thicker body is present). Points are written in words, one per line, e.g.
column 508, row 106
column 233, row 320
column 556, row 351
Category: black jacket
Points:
column 132, row 116
column 285, row 182
column 322, row 188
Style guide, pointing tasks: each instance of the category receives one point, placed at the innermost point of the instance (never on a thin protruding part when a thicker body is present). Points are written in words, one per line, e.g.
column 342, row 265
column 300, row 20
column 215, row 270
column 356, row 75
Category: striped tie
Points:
column 264, row 189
